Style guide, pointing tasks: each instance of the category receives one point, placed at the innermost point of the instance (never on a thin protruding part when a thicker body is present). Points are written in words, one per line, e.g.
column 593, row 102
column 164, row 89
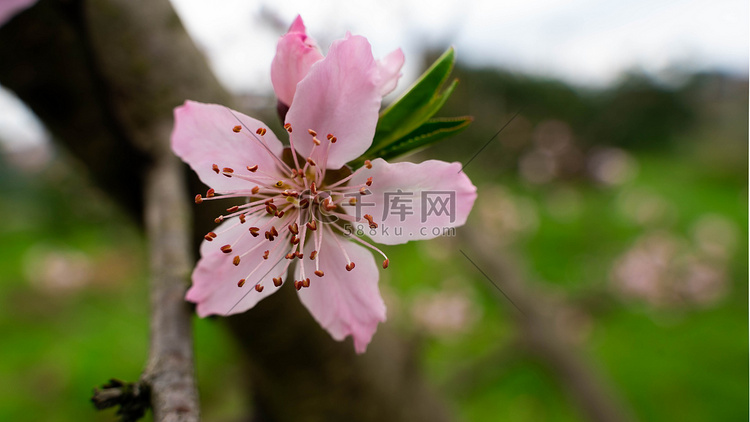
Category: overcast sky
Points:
column 585, row 42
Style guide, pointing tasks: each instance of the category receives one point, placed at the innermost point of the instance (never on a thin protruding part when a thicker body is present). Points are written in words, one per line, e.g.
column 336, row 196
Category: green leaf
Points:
column 429, row 132
column 417, row 105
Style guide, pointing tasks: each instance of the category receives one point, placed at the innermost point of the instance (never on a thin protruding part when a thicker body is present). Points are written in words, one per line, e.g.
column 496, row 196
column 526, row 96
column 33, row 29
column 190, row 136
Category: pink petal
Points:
column 340, row 96
column 295, row 54
column 203, row 136
column 343, row 302
column 390, row 71
column 215, row 278
column 435, row 197
column 10, row 8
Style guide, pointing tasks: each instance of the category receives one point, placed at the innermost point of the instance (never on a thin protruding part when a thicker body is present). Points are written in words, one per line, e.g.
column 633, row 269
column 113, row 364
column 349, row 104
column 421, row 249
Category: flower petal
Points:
column 343, row 302
column 339, row 96
column 10, row 8
column 412, row 201
column 203, row 136
column 390, row 71
column 215, row 278
column 295, row 54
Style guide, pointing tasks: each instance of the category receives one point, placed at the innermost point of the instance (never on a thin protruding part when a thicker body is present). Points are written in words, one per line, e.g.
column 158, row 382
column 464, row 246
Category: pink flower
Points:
column 300, row 209
column 10, row 8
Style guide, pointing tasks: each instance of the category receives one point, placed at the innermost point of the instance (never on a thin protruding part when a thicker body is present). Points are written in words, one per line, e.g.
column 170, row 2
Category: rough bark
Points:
column 104, row 76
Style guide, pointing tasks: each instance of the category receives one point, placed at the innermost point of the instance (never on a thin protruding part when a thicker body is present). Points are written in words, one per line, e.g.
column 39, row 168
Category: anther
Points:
column 294, row 240
column 198, row 199
column 210, row 193
column 255, row 190
column 363, row 191
column 237, row 129
column 265, row 254
column 350, row 266
column 319, row 273
column 227, row 170
column 294, row 228
column 306, row 282
column 312, row 132
column 312, row 225
column 279, row 184
column 215, row 168
column 297, row 284
column 219, row 219
column 369, row 181
column 252, row 169
column 208, row 237
column 313, row 188
column 373, row 225
column 236, row 260
column 304, row 203
column 368, row 164
column 241, row 282
column 288, row 127
column 290, row 256
column 271, row 209
column 313, row 254
column 385, row 264
column 273, row 231
column 277, row 281
column 310, row 161
column 299, row 255
column 316, row 141
column 226, row 248
column 254, row 231
column 280, row 214
column 233, row 209
column 258, row 288
column 261, row 131
column 353, row 201
column 242, row 218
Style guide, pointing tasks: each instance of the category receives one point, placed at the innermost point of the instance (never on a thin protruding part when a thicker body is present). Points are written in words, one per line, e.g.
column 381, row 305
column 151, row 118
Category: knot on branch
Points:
column 132, row 397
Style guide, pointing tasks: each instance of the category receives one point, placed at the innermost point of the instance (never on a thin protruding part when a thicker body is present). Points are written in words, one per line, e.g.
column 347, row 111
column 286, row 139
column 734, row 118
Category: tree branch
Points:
column 535, row 314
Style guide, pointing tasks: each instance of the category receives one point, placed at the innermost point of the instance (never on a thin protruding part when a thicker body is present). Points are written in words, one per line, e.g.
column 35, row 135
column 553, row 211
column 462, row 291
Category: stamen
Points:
column 373, row 225
column 350, row 266
column 385, row 264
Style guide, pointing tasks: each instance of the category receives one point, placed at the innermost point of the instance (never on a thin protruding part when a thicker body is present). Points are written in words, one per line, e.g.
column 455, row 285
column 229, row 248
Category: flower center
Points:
column 291, row 205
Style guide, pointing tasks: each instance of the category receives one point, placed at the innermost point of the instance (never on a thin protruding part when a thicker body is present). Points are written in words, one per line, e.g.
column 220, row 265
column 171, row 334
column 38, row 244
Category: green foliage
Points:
column 407, row 125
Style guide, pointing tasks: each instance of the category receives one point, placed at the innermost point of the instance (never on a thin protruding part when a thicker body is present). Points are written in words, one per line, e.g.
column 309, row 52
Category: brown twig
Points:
column 169, row 373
